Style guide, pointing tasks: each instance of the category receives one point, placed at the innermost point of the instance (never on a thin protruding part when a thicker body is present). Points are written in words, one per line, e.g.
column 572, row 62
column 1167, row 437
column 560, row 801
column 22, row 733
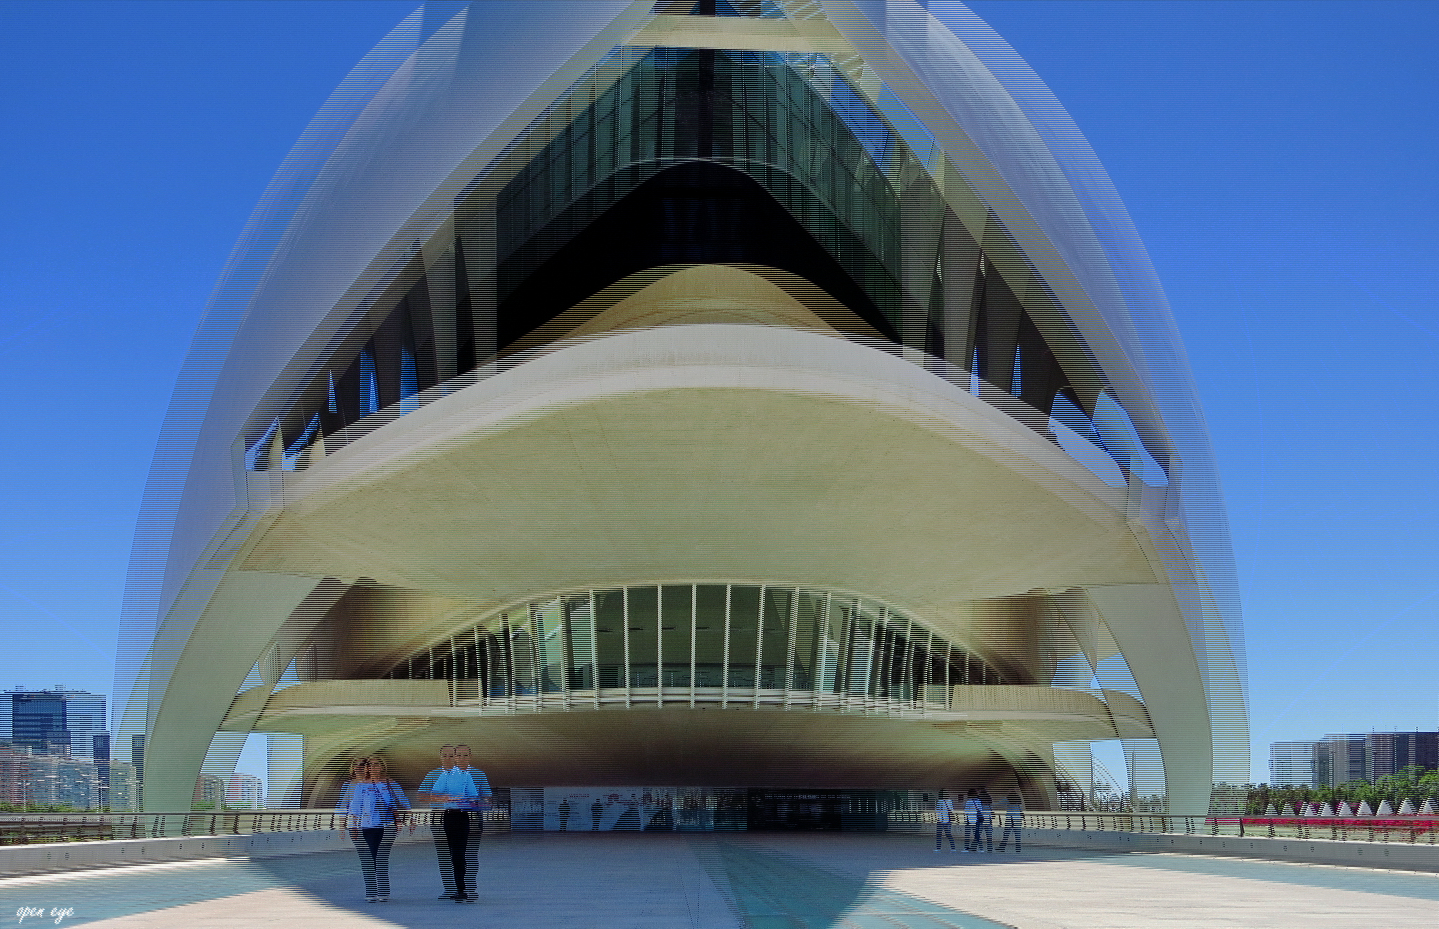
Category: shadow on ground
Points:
column 739, row 881
column 768, row 890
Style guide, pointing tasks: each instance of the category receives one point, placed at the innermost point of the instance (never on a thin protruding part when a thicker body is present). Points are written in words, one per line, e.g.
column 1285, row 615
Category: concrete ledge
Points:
column 18, row 860
column 1391, row 855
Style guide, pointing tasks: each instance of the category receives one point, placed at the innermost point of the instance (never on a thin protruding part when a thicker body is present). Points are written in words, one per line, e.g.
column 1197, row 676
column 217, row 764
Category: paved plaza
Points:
column 764, row 881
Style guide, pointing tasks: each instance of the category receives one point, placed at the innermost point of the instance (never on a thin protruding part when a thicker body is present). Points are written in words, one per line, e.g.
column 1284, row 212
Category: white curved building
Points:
column 756, row 394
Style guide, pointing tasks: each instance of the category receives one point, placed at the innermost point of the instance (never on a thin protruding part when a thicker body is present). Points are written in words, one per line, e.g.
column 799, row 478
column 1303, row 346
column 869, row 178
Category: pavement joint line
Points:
column 82, row 873
column 1283, row 861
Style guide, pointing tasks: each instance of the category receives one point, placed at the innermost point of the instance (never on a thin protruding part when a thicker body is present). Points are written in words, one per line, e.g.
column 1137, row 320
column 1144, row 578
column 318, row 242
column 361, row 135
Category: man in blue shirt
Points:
column 455, row 790
column 465, row 762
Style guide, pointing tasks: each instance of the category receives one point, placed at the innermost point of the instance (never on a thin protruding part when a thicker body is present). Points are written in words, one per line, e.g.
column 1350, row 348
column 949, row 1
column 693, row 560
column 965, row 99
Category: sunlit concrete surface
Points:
column 759, row 881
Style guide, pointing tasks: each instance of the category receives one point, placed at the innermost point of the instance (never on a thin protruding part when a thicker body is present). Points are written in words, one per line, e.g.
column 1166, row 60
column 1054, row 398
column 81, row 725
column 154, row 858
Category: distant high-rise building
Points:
column 1341, row 759
column 1387, row 753
column 14, row 771
column 245, row 791
column 59, row 780
column 1294, row 764
column 209, row 792
column 60, row 722
column 124, row 787
column 56, row 722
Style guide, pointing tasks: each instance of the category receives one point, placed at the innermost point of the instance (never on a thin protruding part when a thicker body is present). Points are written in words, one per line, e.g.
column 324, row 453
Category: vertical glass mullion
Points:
column 512, row 684
column 948, row 650
column 694, row 621
column 789, row 659
column 625, row 640
column 594, row 651
column 909, row 659
column 566, row 647
column 724, row 660
column 660, row 644
column 885, row 637
column 758, row 643
column 537, row 647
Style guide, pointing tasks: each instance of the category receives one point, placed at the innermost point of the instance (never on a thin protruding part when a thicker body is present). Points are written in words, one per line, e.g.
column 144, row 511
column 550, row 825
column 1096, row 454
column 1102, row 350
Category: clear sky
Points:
column 1279, row 161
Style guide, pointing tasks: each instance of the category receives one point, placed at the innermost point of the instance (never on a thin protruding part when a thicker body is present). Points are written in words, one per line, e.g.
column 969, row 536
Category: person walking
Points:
column 973, row 812
column 943, row 817
column 986, row 822
column 455, row 790
column 369, row 813
column 390, row 797
column 464, row 760
column 1013, row 821
column 437, row 824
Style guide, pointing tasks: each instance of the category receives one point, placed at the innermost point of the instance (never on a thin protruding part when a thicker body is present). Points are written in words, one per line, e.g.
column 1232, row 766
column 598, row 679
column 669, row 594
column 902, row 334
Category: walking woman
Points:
column 394, row 798
column 943, row 817
column 370, row 805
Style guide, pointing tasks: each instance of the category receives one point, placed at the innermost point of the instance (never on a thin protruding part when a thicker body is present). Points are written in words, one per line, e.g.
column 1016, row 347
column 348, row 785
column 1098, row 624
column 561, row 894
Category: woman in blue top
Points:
column 369, row 802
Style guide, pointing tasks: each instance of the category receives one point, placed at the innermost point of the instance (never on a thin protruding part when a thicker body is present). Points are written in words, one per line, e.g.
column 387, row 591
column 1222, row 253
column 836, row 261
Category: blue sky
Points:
column 1278, row 160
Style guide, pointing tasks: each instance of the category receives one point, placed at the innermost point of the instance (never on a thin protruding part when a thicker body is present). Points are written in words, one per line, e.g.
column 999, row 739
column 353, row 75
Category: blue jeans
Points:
column 942, row 829
column 373, row 846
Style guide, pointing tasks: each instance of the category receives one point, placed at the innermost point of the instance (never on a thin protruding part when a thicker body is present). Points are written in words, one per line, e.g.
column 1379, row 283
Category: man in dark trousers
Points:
column 465, row 762
column 455, row 790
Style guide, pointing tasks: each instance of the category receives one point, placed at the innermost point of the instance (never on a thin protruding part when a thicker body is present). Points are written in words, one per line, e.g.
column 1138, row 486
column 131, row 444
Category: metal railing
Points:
column 22, row 829
column 1406, row 829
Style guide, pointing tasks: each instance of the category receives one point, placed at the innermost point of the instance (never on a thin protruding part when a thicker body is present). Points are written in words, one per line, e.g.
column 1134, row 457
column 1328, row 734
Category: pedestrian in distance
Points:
column 986, row 822
column 943, row 817
column 1013, row 821
column 973, row 812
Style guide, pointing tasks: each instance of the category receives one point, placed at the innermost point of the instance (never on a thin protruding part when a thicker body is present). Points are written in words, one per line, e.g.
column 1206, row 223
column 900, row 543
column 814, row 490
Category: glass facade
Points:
column 666, row 157
column 682, row 643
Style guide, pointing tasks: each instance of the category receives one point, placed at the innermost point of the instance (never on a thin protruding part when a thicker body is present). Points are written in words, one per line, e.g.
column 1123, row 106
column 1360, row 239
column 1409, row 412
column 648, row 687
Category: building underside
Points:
column 720, row 418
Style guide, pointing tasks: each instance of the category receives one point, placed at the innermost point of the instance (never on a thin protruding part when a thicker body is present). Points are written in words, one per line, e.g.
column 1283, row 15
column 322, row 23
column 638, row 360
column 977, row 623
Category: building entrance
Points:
column 814, row 811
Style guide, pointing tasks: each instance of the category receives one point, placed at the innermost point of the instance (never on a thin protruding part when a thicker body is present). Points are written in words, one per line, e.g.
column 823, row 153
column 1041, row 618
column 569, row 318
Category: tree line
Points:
column 1414, row 784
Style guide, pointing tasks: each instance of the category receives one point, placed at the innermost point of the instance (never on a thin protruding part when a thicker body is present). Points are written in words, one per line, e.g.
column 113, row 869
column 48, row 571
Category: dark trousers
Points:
column 373, row 846
column 456, row 824
column 1011, row 824
column 986, row 825
column 942, row 829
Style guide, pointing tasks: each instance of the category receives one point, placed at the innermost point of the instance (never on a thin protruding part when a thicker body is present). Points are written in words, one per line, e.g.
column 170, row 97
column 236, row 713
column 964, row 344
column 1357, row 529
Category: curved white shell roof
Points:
column 381, row 164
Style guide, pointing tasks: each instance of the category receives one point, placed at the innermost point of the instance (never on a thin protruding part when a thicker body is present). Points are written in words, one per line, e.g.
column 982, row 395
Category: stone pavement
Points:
column 729, row 881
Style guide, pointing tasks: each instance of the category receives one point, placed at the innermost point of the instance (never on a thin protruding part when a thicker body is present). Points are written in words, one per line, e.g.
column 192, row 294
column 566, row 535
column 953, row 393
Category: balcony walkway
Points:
column 727, row 881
